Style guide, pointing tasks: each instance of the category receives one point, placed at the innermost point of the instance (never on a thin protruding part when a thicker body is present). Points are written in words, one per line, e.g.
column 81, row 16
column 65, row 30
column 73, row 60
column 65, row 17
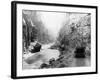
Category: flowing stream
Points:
column 81, row 62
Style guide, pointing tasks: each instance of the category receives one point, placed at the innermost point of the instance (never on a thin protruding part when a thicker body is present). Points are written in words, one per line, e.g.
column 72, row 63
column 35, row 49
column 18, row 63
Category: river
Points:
column 31, row 61
column 81, row 62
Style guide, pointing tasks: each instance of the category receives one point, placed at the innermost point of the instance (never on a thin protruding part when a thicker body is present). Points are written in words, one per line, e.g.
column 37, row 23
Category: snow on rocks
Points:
column 36, row 59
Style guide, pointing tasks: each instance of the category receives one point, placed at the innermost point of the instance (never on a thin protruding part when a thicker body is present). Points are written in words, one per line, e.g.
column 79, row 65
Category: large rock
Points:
column 35, row 47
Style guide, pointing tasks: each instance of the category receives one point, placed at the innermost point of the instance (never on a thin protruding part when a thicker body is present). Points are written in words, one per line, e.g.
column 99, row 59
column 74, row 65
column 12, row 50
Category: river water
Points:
column 81, row 62
column 46, row 54
column 76, row 62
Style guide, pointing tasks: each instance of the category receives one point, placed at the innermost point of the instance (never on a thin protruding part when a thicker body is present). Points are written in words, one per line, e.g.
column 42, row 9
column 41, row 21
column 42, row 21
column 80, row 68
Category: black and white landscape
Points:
column 56, row 39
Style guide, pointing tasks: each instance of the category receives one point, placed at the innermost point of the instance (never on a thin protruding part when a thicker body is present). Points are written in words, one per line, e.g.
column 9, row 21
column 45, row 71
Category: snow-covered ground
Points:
column 46, row 46
column 36, row 59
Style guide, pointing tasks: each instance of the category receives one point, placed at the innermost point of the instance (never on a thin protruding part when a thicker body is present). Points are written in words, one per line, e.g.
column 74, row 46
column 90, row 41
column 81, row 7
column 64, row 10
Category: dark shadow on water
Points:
column 81, row 62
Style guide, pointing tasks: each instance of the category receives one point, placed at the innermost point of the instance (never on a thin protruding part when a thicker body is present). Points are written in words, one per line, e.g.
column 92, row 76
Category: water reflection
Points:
column 79, row 62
